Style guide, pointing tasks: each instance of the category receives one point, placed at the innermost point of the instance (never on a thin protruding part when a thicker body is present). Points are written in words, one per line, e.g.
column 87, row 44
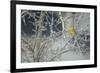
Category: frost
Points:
column 54, row 36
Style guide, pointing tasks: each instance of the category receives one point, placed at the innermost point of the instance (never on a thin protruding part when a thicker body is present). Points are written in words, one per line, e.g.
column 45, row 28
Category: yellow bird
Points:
column 71, row 30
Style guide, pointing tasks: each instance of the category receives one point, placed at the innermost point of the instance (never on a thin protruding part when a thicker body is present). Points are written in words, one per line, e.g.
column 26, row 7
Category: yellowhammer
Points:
column 71, row 30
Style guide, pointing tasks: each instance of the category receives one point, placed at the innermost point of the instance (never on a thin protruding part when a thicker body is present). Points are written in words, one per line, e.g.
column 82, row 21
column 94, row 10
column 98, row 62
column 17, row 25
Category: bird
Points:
column 71, row 30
